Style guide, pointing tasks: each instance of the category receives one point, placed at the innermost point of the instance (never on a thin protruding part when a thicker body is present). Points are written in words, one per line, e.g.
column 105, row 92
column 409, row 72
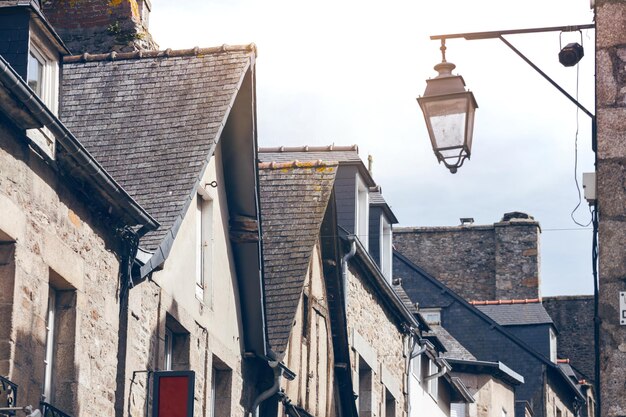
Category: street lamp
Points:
column 449, row 113
column 449, row 108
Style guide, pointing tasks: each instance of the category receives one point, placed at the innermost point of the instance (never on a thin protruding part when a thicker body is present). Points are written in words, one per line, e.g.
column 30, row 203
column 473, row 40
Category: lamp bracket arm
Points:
column 544, row 75
column 498, row 33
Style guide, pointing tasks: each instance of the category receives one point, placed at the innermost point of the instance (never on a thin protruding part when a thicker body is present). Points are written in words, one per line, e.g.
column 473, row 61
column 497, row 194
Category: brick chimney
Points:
column 101, row 26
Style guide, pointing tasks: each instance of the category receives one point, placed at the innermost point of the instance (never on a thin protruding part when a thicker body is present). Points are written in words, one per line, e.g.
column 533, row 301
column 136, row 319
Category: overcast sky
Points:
column 348, row 72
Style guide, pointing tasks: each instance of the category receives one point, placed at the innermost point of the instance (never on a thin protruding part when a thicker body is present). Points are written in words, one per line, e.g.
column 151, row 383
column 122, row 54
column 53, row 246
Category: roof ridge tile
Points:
column 167, row 53
column 297, row 164
column 307, row 148
column 500, row 302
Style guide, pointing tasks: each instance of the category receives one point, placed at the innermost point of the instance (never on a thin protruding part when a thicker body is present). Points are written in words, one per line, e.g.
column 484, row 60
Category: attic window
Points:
column 432, row 316
column 361, row 221
column 43, row 78
column 385, row 247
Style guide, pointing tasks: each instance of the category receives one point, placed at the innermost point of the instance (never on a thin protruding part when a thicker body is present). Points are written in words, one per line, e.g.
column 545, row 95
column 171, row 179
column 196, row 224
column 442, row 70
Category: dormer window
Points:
column 42, row 76
column 361, row 222
column 553, row 346
column 385, row 247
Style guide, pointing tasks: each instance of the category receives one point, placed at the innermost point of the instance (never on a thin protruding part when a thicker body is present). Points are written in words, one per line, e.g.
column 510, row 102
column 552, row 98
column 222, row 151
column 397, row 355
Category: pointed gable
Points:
column 294, row 197
column 153, row 118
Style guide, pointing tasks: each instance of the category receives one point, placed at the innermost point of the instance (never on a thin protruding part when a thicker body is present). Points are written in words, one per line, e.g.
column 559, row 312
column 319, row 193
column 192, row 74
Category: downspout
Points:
column 444, row 370
column 344, row 269
column 412, row 333
column 269, row 392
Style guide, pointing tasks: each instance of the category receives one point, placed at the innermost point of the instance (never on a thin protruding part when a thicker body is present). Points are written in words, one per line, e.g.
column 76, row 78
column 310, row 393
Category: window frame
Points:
column 361, row 217
column 433, row 383
column 386, row 252
column 51, row 336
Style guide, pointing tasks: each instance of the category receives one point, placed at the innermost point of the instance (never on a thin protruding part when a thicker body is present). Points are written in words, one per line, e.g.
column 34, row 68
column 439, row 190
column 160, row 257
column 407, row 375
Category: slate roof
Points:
column 454, row 349
column 152, row 118
column 516, row 314
column 404, row 297
column 294, row 196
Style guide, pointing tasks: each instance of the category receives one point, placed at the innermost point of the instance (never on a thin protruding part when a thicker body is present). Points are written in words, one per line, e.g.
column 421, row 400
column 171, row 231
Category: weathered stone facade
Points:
column 55, row 240
column 97, row 26
column 573, row 318
column 378, row 361
column 611, row 194
column 492, row 396
column 499, row 261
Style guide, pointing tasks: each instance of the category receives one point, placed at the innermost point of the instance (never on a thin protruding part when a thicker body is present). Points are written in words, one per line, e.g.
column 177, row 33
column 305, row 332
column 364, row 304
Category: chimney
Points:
column 101, row 26
column 517, row 257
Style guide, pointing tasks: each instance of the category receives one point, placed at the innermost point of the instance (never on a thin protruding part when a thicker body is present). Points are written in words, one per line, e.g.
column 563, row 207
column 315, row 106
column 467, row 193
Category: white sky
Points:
column 349, row 71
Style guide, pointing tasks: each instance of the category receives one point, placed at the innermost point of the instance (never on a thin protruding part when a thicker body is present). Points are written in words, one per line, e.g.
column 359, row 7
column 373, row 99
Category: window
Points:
column 366, row 408
column 433, row 383
column 59, row 369
column 416, row 367
column 50, row 342
column 204, row 248
column 458, row 410
column 385, row 247
column 221, row 389
column 553, row 346
column 361, row 223
column 390, row 404
column 43, row 78
column 176, row 346
column 431, row 316
column 305, row 316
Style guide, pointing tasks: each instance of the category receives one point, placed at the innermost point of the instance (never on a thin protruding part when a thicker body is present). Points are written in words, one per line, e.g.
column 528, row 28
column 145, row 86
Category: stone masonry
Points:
column 97, row 26
column 51, row 238
column 479, row 262
column 611, row 194
column 573, row 318
column 385, row 356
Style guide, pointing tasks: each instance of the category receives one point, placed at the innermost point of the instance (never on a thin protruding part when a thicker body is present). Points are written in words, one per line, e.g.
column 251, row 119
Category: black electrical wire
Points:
column 576, row 160
column 596, row 312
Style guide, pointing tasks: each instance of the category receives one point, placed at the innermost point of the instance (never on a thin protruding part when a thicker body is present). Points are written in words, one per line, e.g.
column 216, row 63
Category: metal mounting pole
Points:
column 498, row 34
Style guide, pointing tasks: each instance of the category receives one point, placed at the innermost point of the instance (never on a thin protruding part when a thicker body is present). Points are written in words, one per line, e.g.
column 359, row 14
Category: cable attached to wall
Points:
column 580, row 199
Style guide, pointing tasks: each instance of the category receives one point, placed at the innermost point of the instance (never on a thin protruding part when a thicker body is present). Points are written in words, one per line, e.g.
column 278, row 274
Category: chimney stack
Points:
column 101, row 26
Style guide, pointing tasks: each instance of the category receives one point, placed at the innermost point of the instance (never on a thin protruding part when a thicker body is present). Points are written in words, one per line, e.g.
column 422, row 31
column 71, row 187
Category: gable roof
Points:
column 28, row 111
column 153, row 118
column 515, row 314
column 377, row 200
column 345, row 155
column 294, row 197
column 454, row 349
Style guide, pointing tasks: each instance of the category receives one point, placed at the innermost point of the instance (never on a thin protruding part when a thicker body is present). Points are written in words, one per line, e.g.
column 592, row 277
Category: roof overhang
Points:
column 496, row 369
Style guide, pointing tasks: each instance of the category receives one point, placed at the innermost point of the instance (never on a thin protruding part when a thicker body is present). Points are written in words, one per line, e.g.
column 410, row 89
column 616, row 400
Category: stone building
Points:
column 547, row 390
column 362, row 304
column 68, row 235
column 572, row 316
column 479, row 262
column 611, row 158
column 179, row 136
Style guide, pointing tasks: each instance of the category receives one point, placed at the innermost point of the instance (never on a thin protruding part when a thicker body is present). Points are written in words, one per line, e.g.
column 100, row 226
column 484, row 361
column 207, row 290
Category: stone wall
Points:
column 573, row 318
column 367, row 320
column 100, row 26
column 478, row 262
column 54, row 239
column 492, row 396
column 611, row 194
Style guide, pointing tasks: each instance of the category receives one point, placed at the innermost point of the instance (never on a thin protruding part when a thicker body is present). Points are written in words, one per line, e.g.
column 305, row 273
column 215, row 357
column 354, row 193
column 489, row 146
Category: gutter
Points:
column 444, row 368
column 113, row 192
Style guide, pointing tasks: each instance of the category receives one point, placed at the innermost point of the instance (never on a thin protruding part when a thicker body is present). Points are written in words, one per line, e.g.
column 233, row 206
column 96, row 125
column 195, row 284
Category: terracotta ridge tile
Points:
column 168, row 53
column 297, row 164
column 562, row 361
column 501, row 302
column 307, row 148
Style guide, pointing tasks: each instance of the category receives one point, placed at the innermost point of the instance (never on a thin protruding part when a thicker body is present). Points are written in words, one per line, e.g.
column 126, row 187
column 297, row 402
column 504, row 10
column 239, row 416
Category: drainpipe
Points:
column 444, row 370
column 254, row 412
column 344, row 269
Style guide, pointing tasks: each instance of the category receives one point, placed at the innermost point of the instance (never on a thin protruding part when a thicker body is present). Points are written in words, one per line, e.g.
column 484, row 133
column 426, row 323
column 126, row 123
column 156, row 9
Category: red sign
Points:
column 173, row 394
